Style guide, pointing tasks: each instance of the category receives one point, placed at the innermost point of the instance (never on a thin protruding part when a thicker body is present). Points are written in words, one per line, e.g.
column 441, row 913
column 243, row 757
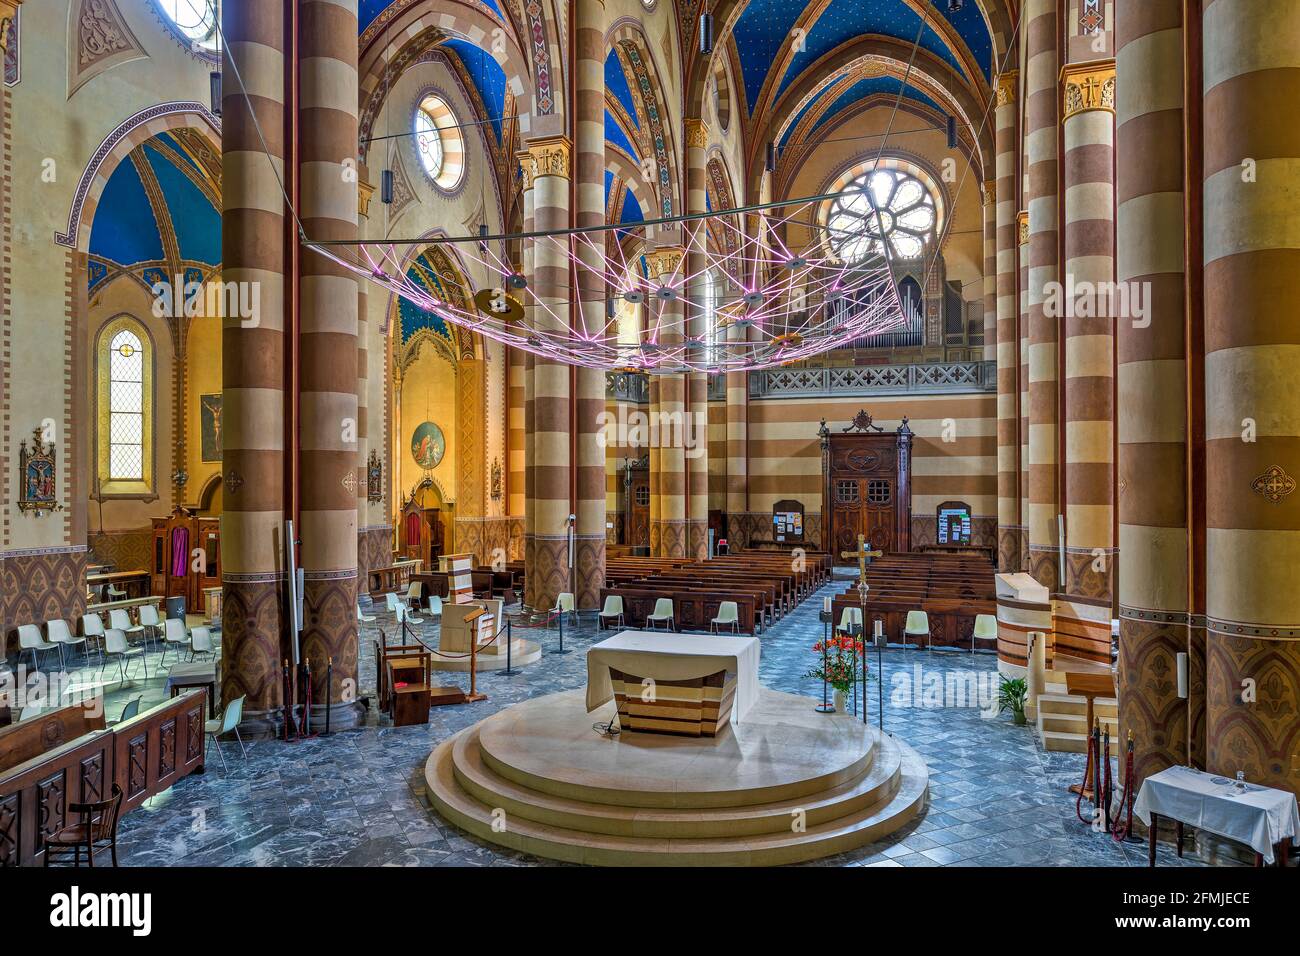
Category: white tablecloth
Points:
column 1260, row 817
column 663, row 656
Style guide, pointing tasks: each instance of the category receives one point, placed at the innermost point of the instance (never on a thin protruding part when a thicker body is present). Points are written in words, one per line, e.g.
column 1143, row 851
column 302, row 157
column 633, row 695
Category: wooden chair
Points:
column 97, row 830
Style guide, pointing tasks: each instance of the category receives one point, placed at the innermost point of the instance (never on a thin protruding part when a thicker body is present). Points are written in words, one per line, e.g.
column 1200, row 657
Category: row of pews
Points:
column 950, row 589
column 764, row 585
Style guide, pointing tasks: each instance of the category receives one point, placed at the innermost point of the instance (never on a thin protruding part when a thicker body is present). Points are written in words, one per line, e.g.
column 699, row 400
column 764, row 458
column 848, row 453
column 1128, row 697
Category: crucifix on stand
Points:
column 862, row 554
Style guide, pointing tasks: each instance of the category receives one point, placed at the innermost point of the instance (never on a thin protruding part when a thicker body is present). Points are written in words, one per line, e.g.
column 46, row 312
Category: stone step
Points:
column 1076, row 723
column 477, row 778
column 1059, row 702
column 864, row 825
column 1064, row 742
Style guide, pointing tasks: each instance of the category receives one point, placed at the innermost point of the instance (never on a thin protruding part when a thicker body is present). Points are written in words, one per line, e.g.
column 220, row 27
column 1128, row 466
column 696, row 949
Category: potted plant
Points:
column 843, row 663
column 1011, row 696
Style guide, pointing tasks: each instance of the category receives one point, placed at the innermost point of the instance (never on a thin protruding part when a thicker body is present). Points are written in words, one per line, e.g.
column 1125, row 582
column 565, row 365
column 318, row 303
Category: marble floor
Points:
column 357, row 798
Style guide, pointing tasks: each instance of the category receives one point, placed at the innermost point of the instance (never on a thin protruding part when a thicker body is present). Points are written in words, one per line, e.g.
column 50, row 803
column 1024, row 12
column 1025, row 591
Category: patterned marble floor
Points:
column 357, row 798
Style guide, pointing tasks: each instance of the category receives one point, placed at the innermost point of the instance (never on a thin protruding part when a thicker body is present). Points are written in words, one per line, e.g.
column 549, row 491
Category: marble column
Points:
column 548, row 572
column 697, row 383
column 328, row 343
column 1251, row 158
column 666, row 266
column 254, row 237
column 1151, row 413
column 528, row 296
column 589, row 397
column 1007, row 344
column 1041, row 24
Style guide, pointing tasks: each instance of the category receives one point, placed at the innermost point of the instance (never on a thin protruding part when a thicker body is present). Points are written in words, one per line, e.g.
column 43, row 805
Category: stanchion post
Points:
column 825, row 707
column 509, row 644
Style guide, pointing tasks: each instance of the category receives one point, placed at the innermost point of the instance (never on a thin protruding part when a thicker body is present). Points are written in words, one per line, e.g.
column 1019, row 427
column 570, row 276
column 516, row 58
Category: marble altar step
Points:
column 477, row 778
column 895, row 808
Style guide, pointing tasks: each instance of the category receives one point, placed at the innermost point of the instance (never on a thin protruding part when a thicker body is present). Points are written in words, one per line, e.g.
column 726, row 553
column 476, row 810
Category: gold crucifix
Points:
column 862, row 554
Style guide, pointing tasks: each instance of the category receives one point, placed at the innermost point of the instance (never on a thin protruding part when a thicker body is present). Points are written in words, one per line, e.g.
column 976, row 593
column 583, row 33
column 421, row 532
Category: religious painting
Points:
column 496, row 479
column 210, row 426
column 374, row 477
column 428, row 445
column 39, row 490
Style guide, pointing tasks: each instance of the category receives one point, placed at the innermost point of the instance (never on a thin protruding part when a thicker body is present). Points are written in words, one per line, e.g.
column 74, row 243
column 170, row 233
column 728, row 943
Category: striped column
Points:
column 328, row 343
column 697, row 384
column 1041, row 25
column 1151, row 414
column 1022, row 247
column 666, row 267
column 1252, row 417
column 589, row 172
column 516, row 374
column 1087, row 108
column 253, row 615
column 548, row 574
column 989, row 335
column 1007, row 344
column 737, row 445
column 527, row 262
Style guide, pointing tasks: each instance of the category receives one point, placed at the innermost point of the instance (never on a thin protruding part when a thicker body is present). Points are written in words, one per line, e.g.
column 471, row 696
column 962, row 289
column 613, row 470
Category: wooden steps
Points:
column 1063, row 717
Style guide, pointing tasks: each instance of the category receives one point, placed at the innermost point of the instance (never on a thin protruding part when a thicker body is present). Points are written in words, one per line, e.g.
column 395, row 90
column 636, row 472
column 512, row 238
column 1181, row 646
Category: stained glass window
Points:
column 881, row 204
column 196, row 20
column 124, row 367
column 438, row 141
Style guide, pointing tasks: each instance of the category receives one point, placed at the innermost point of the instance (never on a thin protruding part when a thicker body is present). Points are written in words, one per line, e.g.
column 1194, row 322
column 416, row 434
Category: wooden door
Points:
column 638, row 531
column 867, row 489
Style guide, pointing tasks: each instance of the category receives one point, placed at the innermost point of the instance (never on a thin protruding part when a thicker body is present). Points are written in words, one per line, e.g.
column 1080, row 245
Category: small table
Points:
column 1260, row 817
column 183, row 676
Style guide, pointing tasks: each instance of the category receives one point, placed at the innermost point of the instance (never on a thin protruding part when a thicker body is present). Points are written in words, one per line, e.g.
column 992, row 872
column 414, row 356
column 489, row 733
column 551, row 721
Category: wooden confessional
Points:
column 421, row 532
column 177, row 570
column 637, row 516
column 867, row 486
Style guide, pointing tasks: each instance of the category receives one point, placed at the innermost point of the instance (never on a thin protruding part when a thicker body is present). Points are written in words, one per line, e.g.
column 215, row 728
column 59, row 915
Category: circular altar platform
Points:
column 522, row 653
column 785, row 786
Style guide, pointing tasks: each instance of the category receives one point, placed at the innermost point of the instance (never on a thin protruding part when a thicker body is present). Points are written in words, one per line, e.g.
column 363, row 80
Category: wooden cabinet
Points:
column 186, row 557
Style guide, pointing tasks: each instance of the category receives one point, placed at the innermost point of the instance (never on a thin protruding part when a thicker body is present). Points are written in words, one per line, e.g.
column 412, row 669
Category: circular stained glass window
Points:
column 438, row 141
column 196, row 20
column 883, row 205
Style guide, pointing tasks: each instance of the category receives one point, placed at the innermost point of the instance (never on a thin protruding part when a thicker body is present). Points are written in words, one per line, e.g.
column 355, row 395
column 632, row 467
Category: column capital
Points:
column 1087, row 86
column 664, row 261
column 697, row 134
column 527, row 167
column 990, row 192
column 1022, row 226
column 1007, row 84
column 552, row 156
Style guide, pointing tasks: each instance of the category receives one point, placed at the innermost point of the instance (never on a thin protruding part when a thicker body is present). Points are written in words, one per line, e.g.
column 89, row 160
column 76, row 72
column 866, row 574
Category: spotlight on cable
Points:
column 798, row 262
column 516, row 281
column 635, row 297
column 954, row 6
column 386, row 187
column 753, row 299
column 706, row 33
column 770, row 163
column 952, row 132
column 665, row 293
column 214, row 90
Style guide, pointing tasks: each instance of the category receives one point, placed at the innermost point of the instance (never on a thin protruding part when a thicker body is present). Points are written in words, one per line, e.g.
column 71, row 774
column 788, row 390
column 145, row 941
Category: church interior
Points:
column 649, row 433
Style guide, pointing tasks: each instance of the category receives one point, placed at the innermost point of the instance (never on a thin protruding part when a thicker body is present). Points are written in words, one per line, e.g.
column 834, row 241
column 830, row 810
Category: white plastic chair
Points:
column 228, row 721
column 174, row 636
column 663, row 612
column 150, row 621
column 986, row 629
column 613, row 609
column 116, row 645
column 201, row 641
column 116, row 593
column 92, row 627
column 565, row 603
column 435, row 606
column 728, row 613
column 363, row 618
column 391, row 602
column 414, row 592
column 918, row 624
column 59, row 633
column 850, row 618
column 29, row 639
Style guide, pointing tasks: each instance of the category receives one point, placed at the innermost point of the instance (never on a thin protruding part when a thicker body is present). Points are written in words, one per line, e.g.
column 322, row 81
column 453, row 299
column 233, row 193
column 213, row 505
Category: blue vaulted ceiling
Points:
column 617, row 86
column 763, row 28
column 486, row 75
column 128, row 231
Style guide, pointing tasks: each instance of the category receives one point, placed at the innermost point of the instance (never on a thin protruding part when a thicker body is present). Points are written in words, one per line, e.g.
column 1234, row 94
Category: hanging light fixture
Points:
column 386, row 187
column 214, row 89
column 706, row 33
column 770, row 163
column 955, row 6
column 952, row 132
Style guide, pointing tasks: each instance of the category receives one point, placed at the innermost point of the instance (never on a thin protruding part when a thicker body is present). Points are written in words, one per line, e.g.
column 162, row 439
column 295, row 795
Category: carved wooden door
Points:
column 638, row 532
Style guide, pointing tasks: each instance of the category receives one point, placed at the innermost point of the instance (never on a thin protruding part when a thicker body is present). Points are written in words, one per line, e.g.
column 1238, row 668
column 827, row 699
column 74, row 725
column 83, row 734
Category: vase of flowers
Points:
column 843, row 663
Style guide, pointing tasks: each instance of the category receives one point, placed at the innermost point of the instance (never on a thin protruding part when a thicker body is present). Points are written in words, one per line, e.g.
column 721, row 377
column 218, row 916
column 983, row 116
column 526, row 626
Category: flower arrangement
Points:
column 843, row 661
